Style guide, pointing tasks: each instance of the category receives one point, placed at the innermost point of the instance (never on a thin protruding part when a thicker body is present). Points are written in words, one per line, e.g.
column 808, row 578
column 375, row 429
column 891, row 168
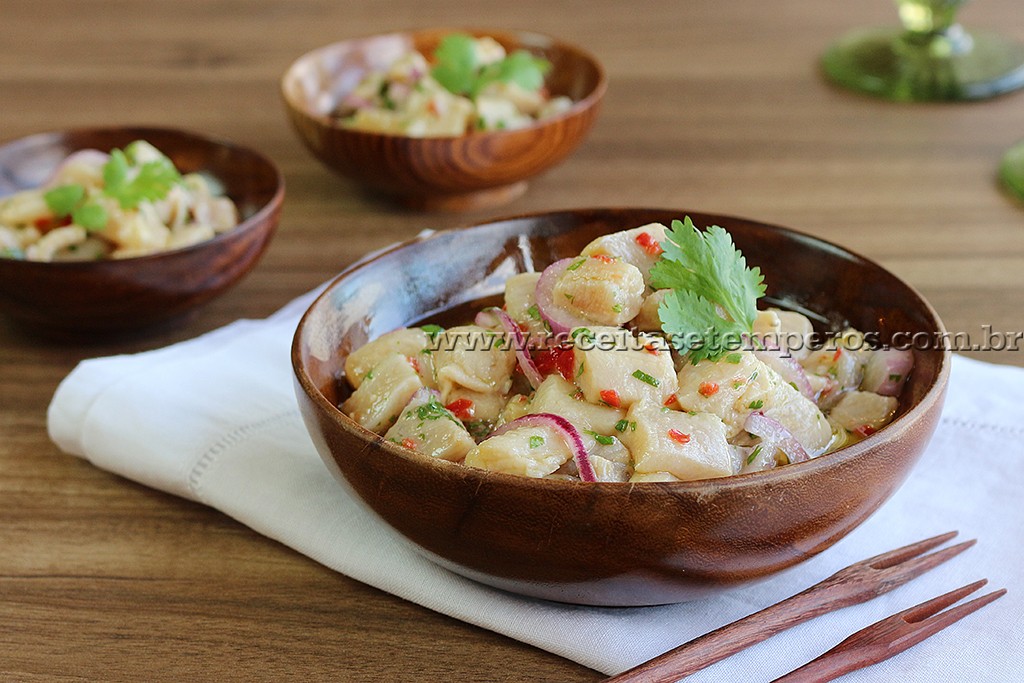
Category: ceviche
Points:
column 130, row 202
column 644, row 358
column 473, row 84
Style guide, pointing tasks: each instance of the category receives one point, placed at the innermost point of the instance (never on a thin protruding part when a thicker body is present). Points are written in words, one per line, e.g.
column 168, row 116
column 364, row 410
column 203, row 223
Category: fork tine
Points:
column 914, row 567
column 894, row 557
column 931, row 626
column 919, row 613
column 890, row 636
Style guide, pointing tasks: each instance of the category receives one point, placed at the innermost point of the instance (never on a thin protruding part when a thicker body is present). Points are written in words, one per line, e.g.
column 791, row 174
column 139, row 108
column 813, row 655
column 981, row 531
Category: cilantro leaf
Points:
column 458, row 68
column 131, row 185
column 456, row 63
column 520, row 68
column 706, row 273
column 63, row 199
column 90, row 216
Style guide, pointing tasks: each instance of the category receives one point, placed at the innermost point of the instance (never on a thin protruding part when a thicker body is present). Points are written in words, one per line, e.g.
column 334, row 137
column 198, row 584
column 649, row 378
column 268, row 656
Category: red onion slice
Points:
column 488, row 317
column 561, row 321
column 886, row 371
column 564, row 429
column 775, row 436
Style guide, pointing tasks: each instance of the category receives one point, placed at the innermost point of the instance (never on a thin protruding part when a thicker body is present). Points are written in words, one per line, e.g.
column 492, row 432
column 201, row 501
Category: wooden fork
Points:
column 890, row 636
column 853, row 585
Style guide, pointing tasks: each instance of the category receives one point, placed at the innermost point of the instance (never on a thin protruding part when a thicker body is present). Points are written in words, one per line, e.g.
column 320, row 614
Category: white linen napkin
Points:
column 215, row 420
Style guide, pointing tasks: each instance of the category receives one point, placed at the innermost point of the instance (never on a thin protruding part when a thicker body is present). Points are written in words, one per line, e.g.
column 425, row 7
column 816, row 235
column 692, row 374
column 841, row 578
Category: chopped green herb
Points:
column 92, row 217
column 734, row 358
column 576, row 264
column 432, row 330
column 646, row 379
column 584, row 333
column 536, row 441
column 583, row 364
column 534, row 312
column 568, row 296
column 753, row 455
column 433, row 410
column 753, row 376
column 369, row 375
column 479, row 429
column 793, row 384
column 756, row 405
column 617, row 308
column 601, row 438
column 63, row 199
column 704, row 270
column 621, row 425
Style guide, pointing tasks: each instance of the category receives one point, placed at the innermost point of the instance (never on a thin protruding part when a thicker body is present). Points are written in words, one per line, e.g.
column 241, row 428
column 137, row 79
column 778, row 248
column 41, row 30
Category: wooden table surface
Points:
column 714, row 105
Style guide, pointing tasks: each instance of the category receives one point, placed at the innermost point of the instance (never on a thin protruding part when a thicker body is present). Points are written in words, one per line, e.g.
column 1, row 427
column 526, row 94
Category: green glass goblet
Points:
column 931, row 58
column 1011, row 171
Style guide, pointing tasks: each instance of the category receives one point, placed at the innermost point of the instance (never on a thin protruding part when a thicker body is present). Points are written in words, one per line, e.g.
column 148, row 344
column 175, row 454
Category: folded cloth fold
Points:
column 215, row 420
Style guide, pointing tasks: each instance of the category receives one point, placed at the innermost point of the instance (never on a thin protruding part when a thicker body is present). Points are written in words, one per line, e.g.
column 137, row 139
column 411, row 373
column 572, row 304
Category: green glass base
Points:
column 1011, row 171
column 908, row 67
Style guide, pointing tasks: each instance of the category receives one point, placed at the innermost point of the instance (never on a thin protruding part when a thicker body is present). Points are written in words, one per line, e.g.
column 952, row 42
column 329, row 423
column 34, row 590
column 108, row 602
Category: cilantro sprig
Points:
column 131, row 176
column 708, row 277
column 459, row 70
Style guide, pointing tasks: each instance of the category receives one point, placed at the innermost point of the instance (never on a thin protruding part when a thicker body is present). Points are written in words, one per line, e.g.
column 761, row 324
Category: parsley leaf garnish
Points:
column 705, row 271
column 459, row 70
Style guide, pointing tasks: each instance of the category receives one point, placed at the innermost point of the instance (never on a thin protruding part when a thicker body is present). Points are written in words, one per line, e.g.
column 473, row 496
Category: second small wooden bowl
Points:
column 611, row 543
column 454, row 173
column 85, row 299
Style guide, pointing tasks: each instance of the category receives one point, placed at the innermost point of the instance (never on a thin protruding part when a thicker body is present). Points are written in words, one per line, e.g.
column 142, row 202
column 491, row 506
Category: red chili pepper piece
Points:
column 611, row 397
column 707, row 389
column 462, row 408
column 678, row 436
column 557, row 359
column 409, row 443
column 649, row 244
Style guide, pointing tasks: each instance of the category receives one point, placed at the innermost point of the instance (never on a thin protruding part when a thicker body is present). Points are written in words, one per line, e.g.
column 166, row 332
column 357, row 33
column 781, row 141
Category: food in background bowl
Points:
column 84, row 299
column 469, row 84
column 644, row 358
column 457, row 172
column 130, row 202
column 611, row 544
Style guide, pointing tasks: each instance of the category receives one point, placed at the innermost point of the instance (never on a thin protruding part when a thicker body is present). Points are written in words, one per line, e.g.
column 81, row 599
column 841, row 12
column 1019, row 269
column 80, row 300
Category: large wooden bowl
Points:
column 611, row 543
column 114, row 296
column 453, row 173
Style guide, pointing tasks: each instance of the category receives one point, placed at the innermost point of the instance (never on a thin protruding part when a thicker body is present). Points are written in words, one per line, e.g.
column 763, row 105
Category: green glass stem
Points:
column 931, row 58
column 1011, row 171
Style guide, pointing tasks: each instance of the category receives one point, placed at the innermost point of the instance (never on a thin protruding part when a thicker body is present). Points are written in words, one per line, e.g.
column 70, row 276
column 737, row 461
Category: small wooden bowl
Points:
column 116, row 296
column 610, row 543
column 476, row 170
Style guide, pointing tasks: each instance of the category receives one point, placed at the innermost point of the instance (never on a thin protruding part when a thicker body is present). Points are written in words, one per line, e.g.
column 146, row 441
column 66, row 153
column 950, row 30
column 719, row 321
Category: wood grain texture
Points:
column 713, row 104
